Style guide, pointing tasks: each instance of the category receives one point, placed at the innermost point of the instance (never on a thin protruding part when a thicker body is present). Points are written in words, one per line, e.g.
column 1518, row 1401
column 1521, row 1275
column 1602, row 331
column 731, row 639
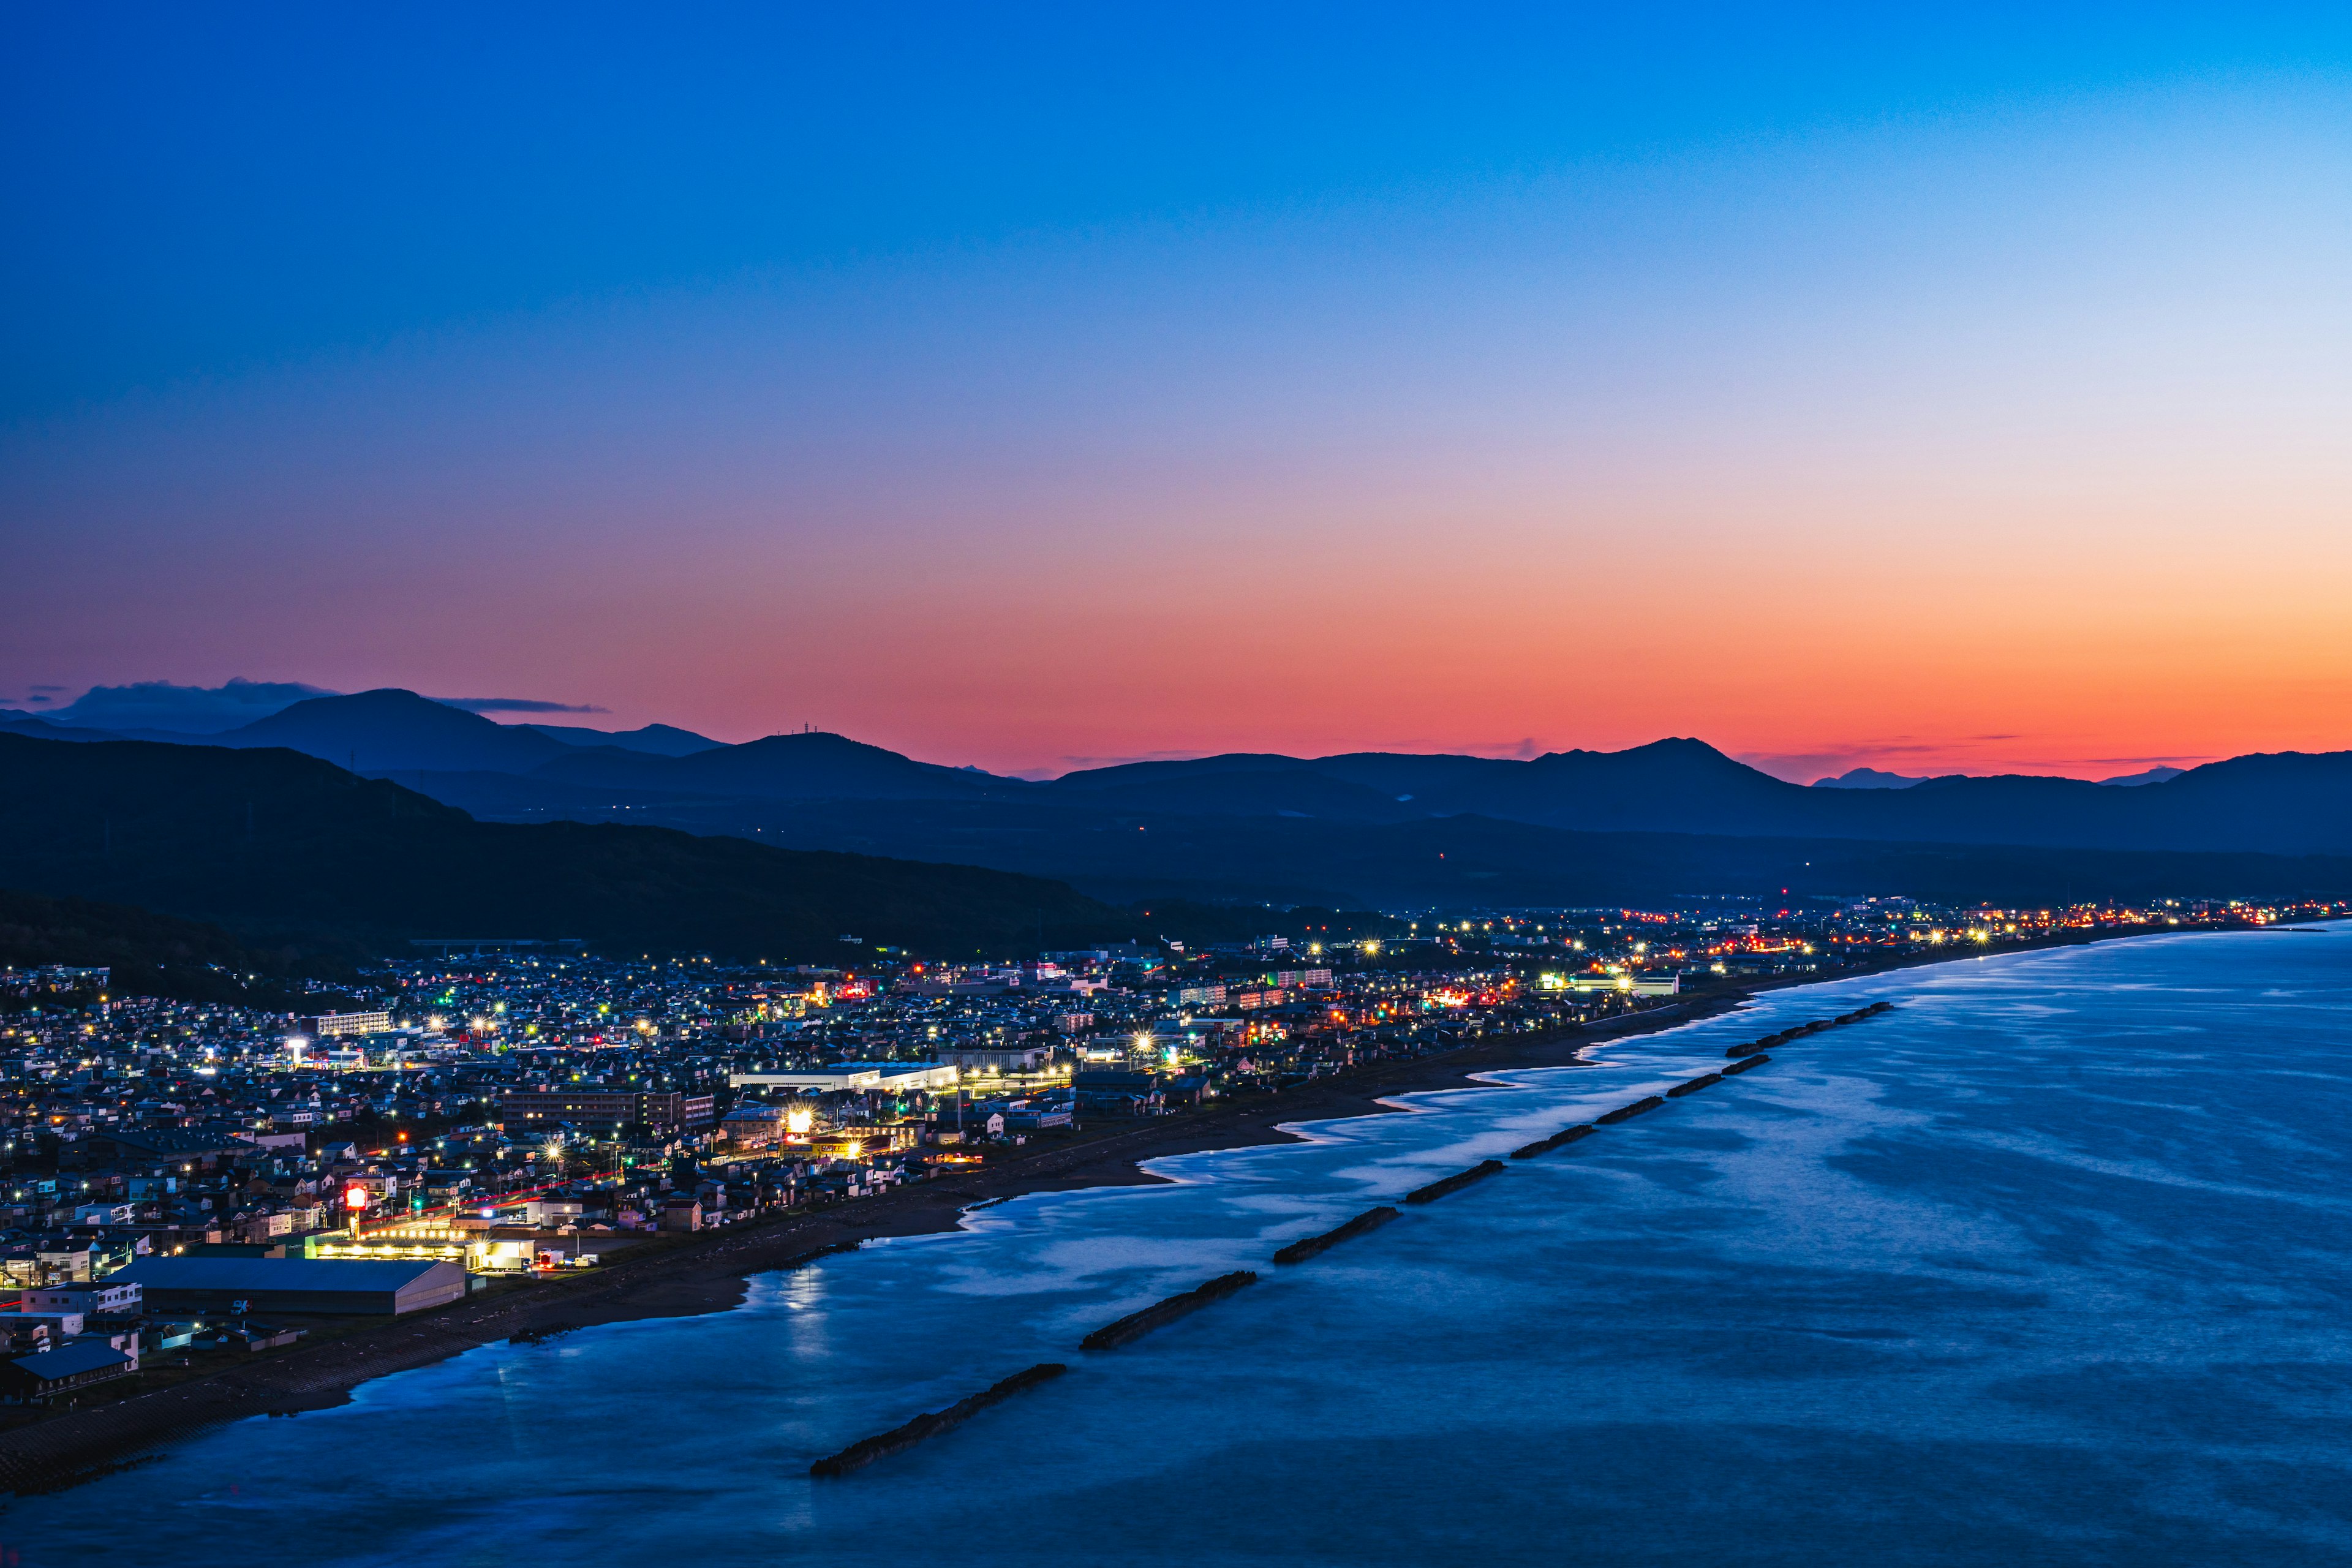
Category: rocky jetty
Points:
column 1566, row 1135
column 1370, row 1219
column 899, row 1439
column 1135, row 1325
column 1455, row 1183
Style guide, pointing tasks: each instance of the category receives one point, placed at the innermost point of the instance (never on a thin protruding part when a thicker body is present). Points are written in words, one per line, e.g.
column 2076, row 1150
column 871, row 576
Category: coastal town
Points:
column 190, row 1186
column 1396, row 786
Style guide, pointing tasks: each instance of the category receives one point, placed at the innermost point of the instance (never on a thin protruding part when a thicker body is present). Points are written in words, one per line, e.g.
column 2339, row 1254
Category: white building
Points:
column 995, row 1058
column 337, row 1026
column 886, row 1077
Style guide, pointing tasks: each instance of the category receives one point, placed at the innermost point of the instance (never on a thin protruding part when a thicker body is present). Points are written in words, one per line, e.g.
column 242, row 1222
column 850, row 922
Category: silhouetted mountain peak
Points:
column 386, row 705
column 1119, row 774
column 2147, row 776
column 1687, row 747
column 655, row 740
column 1868, row 778
column 390, row 730
column 822, row 742
column 1675, row 765
column 805, row 765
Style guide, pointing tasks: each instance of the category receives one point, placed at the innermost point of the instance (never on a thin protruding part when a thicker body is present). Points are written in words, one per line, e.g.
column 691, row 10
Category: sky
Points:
column 1932, row 389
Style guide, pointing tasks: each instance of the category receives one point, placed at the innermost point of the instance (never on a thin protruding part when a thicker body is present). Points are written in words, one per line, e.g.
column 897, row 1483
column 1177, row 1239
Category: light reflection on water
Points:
column 2048, row 1265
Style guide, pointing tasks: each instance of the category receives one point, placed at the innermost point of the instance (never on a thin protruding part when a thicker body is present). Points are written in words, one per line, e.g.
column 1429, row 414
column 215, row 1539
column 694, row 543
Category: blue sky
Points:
column 197, row 193
column 1013, row 386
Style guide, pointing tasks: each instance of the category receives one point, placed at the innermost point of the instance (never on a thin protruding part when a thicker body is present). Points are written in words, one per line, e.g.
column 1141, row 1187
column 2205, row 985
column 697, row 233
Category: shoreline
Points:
column 711, row 1272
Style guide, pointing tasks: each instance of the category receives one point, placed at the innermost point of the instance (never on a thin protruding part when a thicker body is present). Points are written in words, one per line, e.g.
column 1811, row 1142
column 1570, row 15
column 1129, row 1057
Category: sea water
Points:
column 2049, row 1265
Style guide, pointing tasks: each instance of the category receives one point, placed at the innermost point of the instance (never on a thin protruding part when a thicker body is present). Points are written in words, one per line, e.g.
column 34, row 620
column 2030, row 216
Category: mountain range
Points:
column 2280, row 804
column 1673, row 819
column 2286, row 802
column 1652, row 824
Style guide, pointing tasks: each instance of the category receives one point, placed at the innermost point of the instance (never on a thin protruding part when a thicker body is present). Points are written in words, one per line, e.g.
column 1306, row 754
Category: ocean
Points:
column 2049, row 1265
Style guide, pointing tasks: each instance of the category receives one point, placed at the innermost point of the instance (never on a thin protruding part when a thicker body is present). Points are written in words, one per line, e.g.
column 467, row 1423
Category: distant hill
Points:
column 377, row 731
column 657, row 740
column 15, row 722
column 280, row 847
column 781, row 767
column 1674, row 786
column 2284, row 804
column 1867, row 778
column 1285, row 792
column 1399, row 775
column 157, row 955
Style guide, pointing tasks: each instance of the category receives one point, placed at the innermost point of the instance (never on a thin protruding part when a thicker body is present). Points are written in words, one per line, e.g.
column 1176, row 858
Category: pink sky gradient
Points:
column 2011, row 442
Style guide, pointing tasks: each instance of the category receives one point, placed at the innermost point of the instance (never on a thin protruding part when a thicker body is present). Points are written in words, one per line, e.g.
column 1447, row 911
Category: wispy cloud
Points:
column 192, row 710
column 518, row 705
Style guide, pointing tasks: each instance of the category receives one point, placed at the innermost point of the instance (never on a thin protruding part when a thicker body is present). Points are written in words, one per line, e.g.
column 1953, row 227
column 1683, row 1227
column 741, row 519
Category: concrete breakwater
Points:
column 1455, row 1183
column 1301, row 1250
column 899, row 1439
column 1135, row 1325
column 1796, row 1030
column 1110, row 1336
column 1565, row 1136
